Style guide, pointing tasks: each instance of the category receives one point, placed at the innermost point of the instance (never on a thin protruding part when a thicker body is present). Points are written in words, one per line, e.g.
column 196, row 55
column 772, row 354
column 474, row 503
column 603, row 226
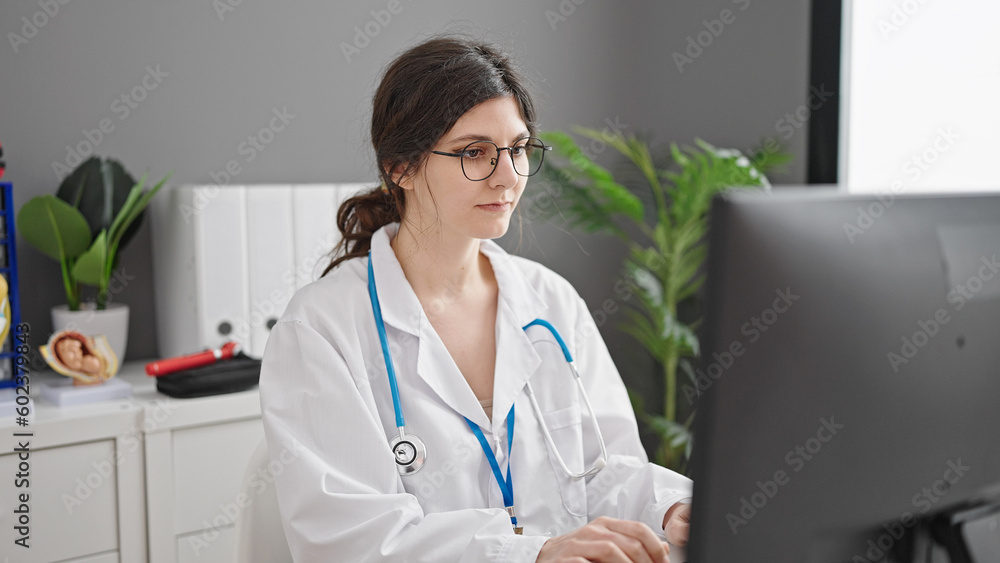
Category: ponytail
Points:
column 360, row 216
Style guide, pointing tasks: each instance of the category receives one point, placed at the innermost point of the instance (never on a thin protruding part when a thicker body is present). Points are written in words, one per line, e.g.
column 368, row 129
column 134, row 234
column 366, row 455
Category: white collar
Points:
column 402, row 309
column 518, row 305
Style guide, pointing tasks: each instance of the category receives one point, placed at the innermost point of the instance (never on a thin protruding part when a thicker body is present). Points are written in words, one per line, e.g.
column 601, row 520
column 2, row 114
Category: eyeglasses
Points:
column 480, row 158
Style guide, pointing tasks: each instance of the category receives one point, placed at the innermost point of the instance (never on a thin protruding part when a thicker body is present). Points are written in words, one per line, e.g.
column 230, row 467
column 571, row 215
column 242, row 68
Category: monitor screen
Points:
column 850, row 381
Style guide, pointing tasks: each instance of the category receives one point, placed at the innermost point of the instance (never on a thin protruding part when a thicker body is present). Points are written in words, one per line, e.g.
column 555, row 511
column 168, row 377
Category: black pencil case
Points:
column 226, row 376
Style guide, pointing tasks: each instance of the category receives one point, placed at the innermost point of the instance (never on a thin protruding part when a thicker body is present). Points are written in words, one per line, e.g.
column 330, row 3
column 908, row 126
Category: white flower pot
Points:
column 111, row 322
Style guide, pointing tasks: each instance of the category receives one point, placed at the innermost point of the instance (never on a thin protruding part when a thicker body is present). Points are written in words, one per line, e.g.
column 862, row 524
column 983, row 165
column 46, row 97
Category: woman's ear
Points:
column 402, row 177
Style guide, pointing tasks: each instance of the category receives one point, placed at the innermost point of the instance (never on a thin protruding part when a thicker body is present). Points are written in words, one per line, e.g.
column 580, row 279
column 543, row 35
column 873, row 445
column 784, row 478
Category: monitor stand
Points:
column 971, row 534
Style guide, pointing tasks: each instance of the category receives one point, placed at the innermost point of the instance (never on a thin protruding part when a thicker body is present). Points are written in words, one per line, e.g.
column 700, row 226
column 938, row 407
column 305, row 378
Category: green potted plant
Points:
column 666, row 248
column 94, row 214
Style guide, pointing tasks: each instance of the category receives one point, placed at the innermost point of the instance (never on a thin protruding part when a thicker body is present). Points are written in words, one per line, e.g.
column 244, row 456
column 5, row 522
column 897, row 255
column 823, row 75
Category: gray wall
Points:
column 224, row 76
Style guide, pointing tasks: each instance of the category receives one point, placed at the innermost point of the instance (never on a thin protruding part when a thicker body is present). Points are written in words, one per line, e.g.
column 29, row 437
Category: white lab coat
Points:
column 325, row 394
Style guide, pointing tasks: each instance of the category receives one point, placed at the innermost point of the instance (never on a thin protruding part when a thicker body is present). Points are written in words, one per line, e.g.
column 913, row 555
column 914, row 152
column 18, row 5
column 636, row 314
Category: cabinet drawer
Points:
column 212, row 546
column 209, row 463
column 72, row 502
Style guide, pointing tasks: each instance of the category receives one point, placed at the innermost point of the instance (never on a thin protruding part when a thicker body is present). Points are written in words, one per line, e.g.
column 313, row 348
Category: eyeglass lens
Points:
column 480, row 158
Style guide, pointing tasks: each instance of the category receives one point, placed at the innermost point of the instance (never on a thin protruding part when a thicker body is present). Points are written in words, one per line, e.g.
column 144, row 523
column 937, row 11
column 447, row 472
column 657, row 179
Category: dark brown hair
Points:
column 422, row 94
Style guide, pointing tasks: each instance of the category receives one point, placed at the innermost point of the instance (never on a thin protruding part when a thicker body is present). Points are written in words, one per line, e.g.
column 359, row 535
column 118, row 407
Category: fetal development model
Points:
column 88, row 360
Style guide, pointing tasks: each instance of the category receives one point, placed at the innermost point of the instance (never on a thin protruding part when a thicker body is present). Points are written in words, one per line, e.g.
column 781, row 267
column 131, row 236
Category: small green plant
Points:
column 664, row 262
column 95, row 213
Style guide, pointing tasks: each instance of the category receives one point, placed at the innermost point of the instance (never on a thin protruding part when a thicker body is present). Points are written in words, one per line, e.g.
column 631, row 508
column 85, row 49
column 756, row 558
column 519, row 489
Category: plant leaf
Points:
column 649, row 286
column 117, row 226
column 680, row 335
column 132, row 210
column 770, row 160
column 89, row 267
column 54, row 227
column 674, row 432
column 639, row 327
column 594, row 197
column 98, row 189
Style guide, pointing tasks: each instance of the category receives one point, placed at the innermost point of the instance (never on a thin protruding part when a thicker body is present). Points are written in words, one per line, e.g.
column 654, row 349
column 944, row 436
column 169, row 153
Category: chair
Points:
column 260, row 537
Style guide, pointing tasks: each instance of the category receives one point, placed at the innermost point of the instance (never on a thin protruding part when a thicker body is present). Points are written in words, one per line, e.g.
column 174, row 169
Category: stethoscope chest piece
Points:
column 410, row 453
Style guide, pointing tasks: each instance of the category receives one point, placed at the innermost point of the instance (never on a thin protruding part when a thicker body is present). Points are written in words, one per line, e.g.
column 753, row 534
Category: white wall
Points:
column 921, row 79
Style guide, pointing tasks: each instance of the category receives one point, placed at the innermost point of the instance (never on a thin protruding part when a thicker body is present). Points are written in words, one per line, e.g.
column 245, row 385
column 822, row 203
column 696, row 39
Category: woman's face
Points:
column 439, row 194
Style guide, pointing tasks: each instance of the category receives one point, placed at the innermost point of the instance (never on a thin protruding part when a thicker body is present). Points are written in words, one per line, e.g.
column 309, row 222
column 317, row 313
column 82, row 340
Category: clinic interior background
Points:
column 221, row 68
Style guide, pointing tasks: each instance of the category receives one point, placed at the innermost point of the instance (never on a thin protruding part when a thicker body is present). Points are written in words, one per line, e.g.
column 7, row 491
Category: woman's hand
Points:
column 606, row 540
column 677, row 523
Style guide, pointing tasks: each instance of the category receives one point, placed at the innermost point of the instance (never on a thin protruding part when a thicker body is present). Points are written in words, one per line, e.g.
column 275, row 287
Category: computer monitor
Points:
column 850, row 378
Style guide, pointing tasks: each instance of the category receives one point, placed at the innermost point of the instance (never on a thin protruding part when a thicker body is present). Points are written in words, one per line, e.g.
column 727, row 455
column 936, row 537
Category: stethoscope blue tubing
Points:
column 377, row 309
column 555, row 333
column 384, row 341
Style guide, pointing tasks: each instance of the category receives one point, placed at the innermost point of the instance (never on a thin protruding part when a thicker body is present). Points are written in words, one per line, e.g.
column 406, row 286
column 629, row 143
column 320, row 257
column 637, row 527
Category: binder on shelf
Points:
column 223, row 287
column 315, row 209
column 271, row 260
column 226, row 260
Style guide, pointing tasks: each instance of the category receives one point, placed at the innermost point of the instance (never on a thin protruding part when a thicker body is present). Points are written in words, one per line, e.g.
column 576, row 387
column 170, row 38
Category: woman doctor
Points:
column 413, row 380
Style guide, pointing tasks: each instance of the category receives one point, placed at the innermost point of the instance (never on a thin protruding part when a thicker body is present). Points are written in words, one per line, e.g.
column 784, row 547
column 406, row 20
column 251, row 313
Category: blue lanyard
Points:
column 506, row 486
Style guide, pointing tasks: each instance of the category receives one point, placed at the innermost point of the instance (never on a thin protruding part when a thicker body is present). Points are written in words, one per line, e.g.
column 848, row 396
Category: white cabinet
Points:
column 144, row 479
column 72, row 503
column 103, row 558
column 203, row 498
column 85, row 485
column 195, row 476
column 213, row 546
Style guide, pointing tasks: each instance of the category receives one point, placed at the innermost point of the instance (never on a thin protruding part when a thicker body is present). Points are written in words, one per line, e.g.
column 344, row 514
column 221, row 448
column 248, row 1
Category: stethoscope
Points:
column 410, row 452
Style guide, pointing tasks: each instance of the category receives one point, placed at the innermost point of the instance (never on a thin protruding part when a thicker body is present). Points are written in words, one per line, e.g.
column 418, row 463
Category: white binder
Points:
column 316, row 233
column 221, row 261
column 226, row 260
column 271, row 260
